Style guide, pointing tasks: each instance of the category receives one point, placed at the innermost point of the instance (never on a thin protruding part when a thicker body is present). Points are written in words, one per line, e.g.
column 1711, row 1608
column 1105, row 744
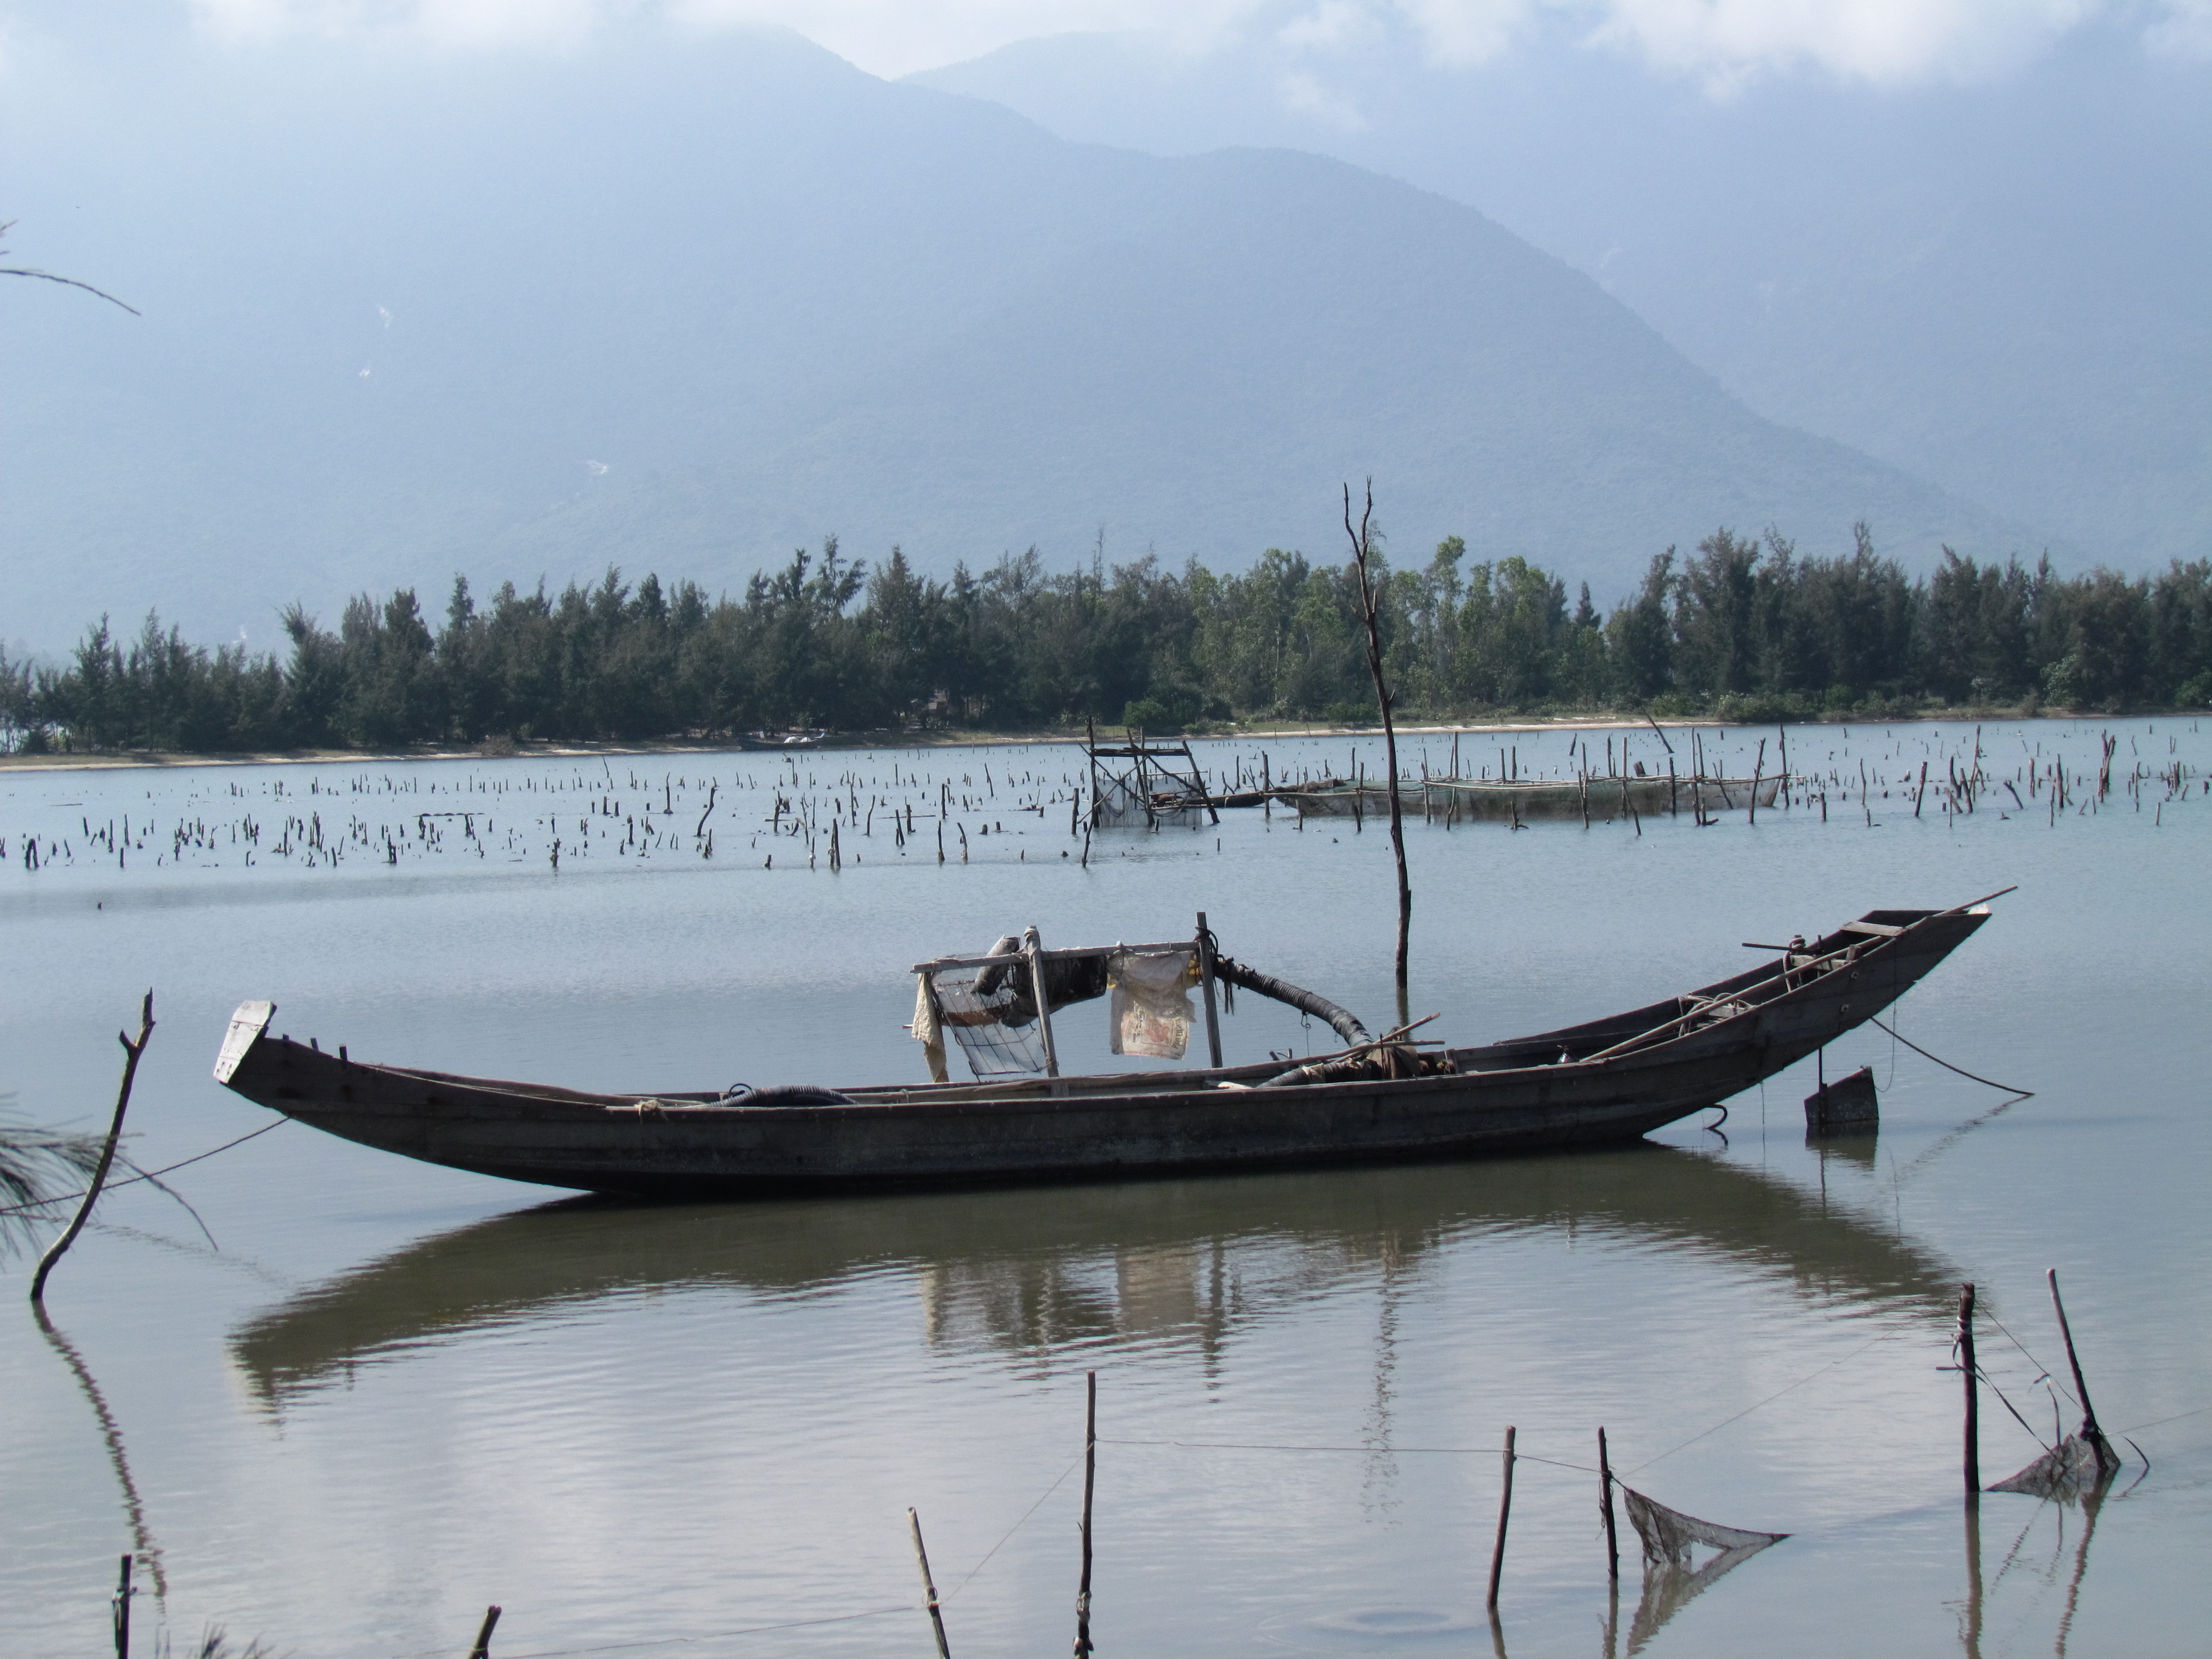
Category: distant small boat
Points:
column 764, row 741
column 1378, row 1101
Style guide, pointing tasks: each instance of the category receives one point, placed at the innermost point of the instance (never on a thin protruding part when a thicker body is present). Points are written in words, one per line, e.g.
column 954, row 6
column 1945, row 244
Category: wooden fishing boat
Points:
column 1337, row 797
column 1391, row 1099
column 1493, row 802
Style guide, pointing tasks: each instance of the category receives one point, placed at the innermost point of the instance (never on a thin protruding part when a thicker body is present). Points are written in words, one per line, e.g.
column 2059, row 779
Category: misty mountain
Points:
column 683, row 303
column 1999, row 287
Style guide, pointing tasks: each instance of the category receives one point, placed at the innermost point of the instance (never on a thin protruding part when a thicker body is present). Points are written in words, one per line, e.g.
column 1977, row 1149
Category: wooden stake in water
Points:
column 122, row 1611
column 1504, row 1514
column 928, row 1586
column 1973, row 1448
column 2090, row 1431
column 1089, row 1482
column 1612, row 1536
column 483, row 1648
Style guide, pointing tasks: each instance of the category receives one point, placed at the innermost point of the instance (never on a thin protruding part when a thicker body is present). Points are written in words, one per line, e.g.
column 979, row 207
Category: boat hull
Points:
column 1601, row 1083
column 1605, row 798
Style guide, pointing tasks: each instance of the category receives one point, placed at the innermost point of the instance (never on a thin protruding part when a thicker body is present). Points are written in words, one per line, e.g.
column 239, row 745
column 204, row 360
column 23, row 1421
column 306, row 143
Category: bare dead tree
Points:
column 1363, row 545
column 49, row 276
column 131, row 1051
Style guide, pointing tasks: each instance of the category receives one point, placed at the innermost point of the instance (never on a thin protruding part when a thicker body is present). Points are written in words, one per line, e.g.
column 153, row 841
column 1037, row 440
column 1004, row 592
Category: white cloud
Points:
column 1465, row 33
column 1722, row 42
column 2185, row 31
column 447, row 24
column 1304, row 95
column 1878, row 41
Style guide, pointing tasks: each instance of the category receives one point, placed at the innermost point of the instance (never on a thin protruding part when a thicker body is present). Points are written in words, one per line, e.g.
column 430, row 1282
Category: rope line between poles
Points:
column 685, row 1641
column 1372, row 1451
column 1010, row 1532
column 1885, row 1337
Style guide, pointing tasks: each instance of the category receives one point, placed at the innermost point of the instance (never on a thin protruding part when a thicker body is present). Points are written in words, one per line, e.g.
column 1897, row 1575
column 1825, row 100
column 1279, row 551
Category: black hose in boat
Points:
column 1347, row 1025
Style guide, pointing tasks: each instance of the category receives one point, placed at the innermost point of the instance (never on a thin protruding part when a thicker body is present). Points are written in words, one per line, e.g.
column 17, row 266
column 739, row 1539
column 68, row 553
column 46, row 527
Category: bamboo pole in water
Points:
column 1090, row 1483
column 122, row 1610
column 928, row 1586
column 1605, row 1485
column 1504, row 1514
column 1973, row 1431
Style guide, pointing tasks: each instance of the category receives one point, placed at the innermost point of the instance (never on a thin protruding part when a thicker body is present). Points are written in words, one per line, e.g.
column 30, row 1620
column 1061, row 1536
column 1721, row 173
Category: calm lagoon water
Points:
column 395, row 1394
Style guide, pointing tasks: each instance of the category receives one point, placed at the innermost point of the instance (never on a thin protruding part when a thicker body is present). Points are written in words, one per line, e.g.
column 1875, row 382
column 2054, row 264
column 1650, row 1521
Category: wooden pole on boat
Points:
column 1504, row 1514
column 928, row 1586
column 482, row 1649
column 1205, row 982
column 131, row 1052
column 1035, row 947
column 1089, row 1482
column 1612, row 1536
column 1974, row 1434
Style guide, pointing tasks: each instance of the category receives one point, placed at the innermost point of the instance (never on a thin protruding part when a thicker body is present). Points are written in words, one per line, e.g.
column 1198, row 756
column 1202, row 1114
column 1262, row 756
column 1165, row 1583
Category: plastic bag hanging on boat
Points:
column 1150, row 1010
column 927, row 1029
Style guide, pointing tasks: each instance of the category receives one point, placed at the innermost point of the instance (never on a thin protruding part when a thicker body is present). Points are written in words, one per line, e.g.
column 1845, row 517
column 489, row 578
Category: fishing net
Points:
column 1669, row 1580
column 1116, row 803
column 2077, row 1467
column 992, row 1013
column 1667, row 1534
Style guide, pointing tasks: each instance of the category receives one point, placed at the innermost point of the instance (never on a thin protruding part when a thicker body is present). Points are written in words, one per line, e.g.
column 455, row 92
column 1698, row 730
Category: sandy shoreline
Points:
column 922, row 741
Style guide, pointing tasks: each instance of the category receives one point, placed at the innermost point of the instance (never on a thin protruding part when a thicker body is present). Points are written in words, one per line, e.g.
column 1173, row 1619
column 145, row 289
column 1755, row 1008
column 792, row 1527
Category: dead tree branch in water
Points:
column 49, row 276
column 131, row 1051
column 1363, row 544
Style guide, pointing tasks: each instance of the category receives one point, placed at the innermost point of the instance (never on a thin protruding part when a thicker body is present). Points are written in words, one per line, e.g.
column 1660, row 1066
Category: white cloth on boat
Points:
column 1148, row 1013
column 927, row 1030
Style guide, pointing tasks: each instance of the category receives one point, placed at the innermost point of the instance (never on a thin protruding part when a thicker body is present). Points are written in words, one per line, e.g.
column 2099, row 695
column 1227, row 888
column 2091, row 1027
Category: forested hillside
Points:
column 1741, row 628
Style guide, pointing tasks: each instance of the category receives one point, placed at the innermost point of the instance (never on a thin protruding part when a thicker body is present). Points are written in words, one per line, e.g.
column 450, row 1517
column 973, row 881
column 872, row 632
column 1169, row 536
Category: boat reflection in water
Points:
column 1028, row 1271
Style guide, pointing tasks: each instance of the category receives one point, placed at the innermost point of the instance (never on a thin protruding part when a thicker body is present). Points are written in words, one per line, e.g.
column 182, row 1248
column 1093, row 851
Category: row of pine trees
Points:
column 1743, row 628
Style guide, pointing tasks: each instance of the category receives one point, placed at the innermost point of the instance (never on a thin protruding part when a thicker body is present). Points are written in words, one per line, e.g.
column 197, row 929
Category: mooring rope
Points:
column 2025, row 1094
column 148, row 1175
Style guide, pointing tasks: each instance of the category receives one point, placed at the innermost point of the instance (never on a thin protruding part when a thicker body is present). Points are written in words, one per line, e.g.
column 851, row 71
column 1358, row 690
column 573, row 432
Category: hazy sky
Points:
column 1720, row 43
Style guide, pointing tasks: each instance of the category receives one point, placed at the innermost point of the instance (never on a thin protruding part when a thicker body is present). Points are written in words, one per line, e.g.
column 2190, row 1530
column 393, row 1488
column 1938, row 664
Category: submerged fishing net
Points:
column 1670, row 1582
column 2078, row 1465
column 1668, row 1533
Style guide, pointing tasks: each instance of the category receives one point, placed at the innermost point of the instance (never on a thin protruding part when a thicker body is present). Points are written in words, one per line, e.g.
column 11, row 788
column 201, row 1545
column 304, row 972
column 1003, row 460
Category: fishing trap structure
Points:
column 1157, row 782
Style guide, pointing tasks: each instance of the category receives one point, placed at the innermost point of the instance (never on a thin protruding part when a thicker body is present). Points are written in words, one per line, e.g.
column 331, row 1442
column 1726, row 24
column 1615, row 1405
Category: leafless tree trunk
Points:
column 1363, row 544
column 131, row 1051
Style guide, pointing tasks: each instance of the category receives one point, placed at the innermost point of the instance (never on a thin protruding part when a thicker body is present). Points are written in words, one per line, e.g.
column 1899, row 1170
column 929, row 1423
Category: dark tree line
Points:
column 1742, row 627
